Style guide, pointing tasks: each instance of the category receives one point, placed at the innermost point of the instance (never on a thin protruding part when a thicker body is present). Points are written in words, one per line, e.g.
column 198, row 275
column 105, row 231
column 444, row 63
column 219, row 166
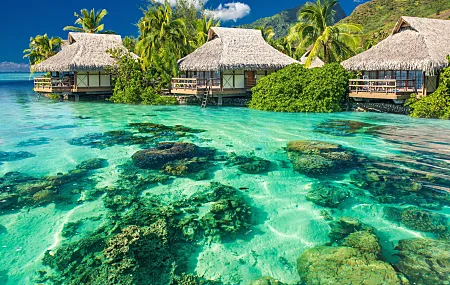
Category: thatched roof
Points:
column 414, row 44
column 316, row 61
column 82, row 52
column 233, row 49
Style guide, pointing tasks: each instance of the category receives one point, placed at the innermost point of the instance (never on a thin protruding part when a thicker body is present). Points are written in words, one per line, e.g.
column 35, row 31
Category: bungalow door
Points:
column 250, row 79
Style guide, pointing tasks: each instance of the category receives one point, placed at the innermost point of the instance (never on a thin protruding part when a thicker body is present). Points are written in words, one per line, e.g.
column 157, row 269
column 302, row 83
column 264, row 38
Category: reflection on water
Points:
column 93, row 193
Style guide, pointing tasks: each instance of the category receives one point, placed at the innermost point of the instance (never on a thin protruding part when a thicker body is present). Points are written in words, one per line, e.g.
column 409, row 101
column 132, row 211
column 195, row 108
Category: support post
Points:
column 77, row 97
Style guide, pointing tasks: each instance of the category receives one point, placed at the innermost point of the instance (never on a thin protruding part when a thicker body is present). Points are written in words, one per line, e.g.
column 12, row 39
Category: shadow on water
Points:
column 3, row 276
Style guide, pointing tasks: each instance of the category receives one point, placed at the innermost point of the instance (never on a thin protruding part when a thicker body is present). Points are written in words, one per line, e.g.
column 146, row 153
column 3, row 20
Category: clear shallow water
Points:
column 284, row 223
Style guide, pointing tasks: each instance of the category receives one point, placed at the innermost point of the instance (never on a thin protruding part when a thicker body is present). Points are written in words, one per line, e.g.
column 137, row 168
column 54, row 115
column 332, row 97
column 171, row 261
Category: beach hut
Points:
column 407, row 62
column 79, row 68
column 228, row 64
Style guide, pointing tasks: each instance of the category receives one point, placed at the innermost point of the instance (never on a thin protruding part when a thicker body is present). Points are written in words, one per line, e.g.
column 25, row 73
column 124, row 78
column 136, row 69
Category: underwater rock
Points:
column 10, row 180
column 165, row 152
column 50, row 127
column 364, row 241
column 92, row 164
column 344, row 265
column 70, row 229
column 44, row 197
column 111, row 138
column 418, row 219
column 344, row 128
column 14, row 156
column 425, row 261
column 266, row 280
column 9, row 201
column 249, row 164
column 327, row 194
column 160, row 128
column 344, row 226
column 183, row 167
column 33, row 142
column 316, row 157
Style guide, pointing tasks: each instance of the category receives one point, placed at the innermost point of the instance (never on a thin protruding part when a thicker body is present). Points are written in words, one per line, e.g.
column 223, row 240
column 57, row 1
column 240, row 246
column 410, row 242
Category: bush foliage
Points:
column 132, row 85
column 436, row 105
column 297, row 89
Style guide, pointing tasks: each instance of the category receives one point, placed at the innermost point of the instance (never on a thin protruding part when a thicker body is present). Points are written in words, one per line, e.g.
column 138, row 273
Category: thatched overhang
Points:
column 82, row 52
column 234, row 49
column 414, row 44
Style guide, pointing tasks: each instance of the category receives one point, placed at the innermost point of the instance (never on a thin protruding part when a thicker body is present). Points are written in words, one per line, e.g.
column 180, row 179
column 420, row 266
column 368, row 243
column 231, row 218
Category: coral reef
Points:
column 364, row 241
column 70, row 229
column 344, row 265
column 425, row 261
column 345, row 128
column 418, row 219
column 14, row 156
column 18, row 190
column 165, row 152
column 33, row 142
column 249, row 164
column 149, row 242
column 343, row 227
column 327, row 194
column 319, row 158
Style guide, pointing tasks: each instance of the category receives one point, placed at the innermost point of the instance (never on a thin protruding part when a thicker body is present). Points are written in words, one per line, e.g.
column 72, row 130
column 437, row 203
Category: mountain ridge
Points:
column 282, row 21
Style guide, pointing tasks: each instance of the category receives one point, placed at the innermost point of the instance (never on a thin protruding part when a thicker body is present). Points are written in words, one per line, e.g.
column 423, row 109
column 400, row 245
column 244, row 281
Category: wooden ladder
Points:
column 205, row 98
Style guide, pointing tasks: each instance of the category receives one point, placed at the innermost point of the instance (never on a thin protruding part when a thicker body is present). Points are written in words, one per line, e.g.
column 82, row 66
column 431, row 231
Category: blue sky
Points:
column 28, row 18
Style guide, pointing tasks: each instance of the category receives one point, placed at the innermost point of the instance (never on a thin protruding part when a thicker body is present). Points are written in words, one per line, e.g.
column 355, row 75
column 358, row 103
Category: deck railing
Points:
column 53, row 84
column 388, row 86
column 195, row 83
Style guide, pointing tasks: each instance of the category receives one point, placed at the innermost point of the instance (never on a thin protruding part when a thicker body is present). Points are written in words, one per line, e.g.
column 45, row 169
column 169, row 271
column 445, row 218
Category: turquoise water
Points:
column 282, row 224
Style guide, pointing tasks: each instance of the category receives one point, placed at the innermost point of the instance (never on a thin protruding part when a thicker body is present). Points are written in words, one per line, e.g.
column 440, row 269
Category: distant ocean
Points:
column 15, row 77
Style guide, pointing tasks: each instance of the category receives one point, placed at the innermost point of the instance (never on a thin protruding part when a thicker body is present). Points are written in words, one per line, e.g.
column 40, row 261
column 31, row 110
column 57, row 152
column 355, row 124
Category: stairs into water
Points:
column 205, row 98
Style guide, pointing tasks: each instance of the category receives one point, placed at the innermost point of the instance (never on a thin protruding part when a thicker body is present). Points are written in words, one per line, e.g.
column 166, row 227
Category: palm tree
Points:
column 41, row 48
column 317, row 28
column 268, row 33
column 89, row 22
column 202, row 27
column 160, row 34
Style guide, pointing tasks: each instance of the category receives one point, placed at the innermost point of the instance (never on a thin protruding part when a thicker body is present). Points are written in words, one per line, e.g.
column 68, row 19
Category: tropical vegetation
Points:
column 436, row 105
column 317, row 28
column 132, row 84
column 42, row 47
column 298, row 89
column 89, row 22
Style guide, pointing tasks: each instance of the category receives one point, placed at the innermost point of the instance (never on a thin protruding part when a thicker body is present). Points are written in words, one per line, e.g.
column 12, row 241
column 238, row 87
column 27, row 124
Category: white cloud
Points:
column 230, row 11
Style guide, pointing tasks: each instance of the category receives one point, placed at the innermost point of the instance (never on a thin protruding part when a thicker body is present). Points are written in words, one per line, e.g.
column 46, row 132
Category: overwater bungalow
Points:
column 407, row 62
column 229, row 64
column 79, row 68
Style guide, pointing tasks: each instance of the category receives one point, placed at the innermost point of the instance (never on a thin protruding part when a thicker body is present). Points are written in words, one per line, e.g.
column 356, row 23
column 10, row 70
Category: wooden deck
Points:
column 64, row 85
column 198, row 87
column 384, row 89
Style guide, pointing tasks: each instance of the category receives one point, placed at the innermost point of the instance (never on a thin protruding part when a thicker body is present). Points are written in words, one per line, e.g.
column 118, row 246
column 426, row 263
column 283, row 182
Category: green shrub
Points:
column 132, row 85
column 54, row 96
column 297, row 89
column 436, row 105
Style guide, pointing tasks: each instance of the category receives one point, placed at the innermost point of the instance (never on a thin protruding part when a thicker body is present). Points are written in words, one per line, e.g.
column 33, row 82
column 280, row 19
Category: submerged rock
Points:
column 364, row 241
column 160, row 128
column 92, row 164
column 165, row 152
column 9, row 201
column 418, row 219
column 344, row 128
column 316, row 157
column 14, row 156
column 344, row 265
column 327, row 194
column 343, row 227
column 249, row 164
column 425, row 261
column 111, row 138
column 33, row 142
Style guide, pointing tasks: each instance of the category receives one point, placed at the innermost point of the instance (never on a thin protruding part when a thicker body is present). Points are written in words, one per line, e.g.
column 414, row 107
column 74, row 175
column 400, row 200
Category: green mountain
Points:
column 282, row 21
column 382, row 15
